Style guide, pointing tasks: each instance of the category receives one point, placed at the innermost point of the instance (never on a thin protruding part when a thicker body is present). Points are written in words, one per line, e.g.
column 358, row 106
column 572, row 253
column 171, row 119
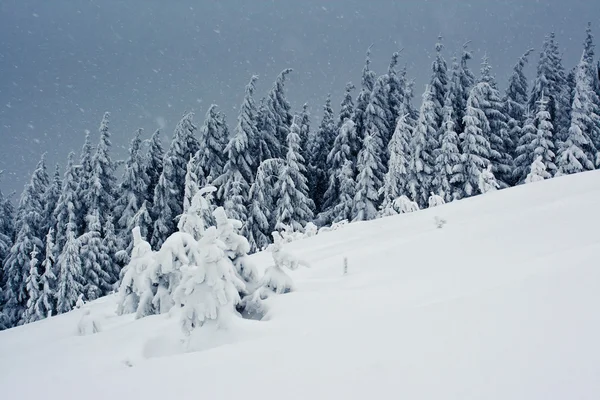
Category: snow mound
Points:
column 499, row 304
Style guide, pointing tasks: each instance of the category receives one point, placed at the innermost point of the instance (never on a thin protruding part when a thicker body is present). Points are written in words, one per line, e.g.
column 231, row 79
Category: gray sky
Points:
column 64, row 62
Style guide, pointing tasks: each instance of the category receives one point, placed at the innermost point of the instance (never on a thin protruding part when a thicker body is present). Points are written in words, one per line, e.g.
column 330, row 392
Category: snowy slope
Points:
column 502, row 303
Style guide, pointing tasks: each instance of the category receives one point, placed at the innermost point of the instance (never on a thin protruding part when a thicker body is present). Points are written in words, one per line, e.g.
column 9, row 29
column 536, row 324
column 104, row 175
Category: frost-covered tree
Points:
column 487, row 181
column 500, row 145
column 83, row 179
column 537, row 171
column 342, row 209
column 378, row 115
column 102, row 189
column 96, row 262
column 395, row 182
column 423, row 147
column 214, row 137
column 247, row 122
column 346, row 106
column 474, row 144
column 448, row 159
column 463, row 86
column 524, row 154
column 207, row 293
column 132, row 191
column 294, row 206
column 368, row 181
column 305, row 132
column 28, row 236
column 276, row 118
column 515, row 102
column 362, row 101
column 115, row 254
column 168, row 195
column 337, row 158
column 46, row 304
column 51, row 198
column 70, row 276
column 543, row 145
column 439, row 84
column 195, row 206
column 577, row 153
column 68, row 205
column 154, row 164
column 396, row 86
column 261, row 204
column 32, row 285
column 319, row 145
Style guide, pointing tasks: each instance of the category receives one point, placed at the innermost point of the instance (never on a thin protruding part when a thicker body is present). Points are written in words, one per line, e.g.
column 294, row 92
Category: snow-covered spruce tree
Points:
column 439, row 84
column 102, row 188
column 594, row 96
column 28, row 236
column 319, row 145
column 346, row 106
column 543, row 145
column 423, row 148
column 368, row 180
column 154, row 164
column 214, row 138
column 68, row 205
column 498, row 136
column 551, row 81
column 377, row 116
column 207, row 293
column 487, row 181
column 342, row 210
column 247, row 122
column 143, row 220
column 83, row 179
column 168, row 195
column 294, row 206
column 111, row 244
column 132, row 191
column 364, row 96
column 337, row 158
column 6, row 242
column 515, row 102
column 70, row 274
column 305, row 133
column 51, row 200
column 448, row 159
column 268, row 145
column 474, row 144
column 96, row 262
column 32, row 285
column 278, row 117
column 261, row 204
column 463, row 86
column 395, row 182
column 142, row 257
column 396, row 86
column 537, row 171
column 196, row 206
column 524, row 154
column 46, row 304
column 237, row 176
column 577, row 153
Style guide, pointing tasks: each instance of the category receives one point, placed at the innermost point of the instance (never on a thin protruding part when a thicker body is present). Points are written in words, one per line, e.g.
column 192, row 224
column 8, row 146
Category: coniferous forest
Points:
column 219, row 192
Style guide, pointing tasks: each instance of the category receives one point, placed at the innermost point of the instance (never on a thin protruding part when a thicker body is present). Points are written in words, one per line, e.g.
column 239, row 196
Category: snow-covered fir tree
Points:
column 319, row 145
column 474, row 145
column 294, row 207
column 368, row 180
column 346, row 106
column 247, row 122
column 68, row 205
column 115, row 254
column 537, row 171
column 578, row 153
column 396, row 87
column 524, row 153
column 28, row 236
column 32, row 285
column 498, row 136
column 439, row 84
column 395, row 182
column 305, row 132
column 132, row 191
column 207, row 293
column 46, row 304
column 51, row 198
column 448, row 159
column 423, row 147
column 515, row 101
column 463, row 86
column 378, row 115
column 337, row 158
column 343, row 208
column 364, row 96
column 70, row 275
column 83, row 179
column 154, row 164
column 196, row 205
column 261, row 204
column 168, row 195
column 214, row 137
column 102, row 186
column 96, row 262
column 276, row 119
column 543, row 145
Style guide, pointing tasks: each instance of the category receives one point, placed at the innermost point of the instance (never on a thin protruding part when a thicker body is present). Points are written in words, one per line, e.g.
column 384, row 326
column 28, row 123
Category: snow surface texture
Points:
column 499, row 304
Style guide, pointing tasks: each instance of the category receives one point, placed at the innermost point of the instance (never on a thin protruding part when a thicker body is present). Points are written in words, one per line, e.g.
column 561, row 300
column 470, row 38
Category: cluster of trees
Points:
column 71, row 235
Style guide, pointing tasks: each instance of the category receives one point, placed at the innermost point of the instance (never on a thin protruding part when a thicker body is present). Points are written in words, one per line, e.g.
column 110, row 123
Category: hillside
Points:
column 499, row 304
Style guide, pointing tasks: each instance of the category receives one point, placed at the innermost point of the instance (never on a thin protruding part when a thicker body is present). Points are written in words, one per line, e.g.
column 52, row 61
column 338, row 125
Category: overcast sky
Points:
column 64, row 62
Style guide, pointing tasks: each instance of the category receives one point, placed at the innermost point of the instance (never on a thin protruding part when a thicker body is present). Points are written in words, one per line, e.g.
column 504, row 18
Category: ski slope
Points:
column 501, row 303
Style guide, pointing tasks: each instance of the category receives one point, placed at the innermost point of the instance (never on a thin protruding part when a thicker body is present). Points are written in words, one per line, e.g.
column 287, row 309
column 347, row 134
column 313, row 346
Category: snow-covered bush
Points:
column 208, row 289
column 310, row 230
column 88, row 325
column 275, row 278
column 404, row 205
column 538, row 171
column 435, row 200
column 487, row 180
